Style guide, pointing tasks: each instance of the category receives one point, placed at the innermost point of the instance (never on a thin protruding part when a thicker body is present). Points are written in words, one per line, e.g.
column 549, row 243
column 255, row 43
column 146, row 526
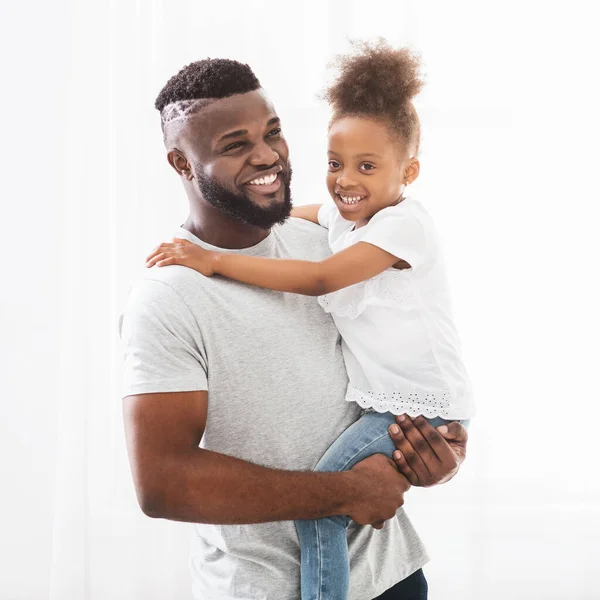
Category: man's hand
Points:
column 182, row 252
column 380, row 491
column 427, row 456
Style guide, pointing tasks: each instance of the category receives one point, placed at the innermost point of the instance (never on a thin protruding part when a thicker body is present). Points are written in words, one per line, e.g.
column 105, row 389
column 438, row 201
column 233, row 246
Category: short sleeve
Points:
column 326, row 214
column 161, row 341
column 402, row 235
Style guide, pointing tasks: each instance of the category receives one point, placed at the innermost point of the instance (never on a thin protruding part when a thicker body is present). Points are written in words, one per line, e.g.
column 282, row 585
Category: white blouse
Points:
column 399, row 341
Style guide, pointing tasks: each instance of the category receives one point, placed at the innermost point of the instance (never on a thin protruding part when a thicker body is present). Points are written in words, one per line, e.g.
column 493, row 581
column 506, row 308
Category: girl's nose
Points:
column 344, row 181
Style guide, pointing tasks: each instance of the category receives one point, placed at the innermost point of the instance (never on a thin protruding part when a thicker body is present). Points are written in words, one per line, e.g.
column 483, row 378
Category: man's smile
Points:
column 266, row 182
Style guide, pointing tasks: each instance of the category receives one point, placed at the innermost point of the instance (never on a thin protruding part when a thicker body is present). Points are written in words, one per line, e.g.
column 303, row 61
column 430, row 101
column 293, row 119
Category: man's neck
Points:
column 217, row 229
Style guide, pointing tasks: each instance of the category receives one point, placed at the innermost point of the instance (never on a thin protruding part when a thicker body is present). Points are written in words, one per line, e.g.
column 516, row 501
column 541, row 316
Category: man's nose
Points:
column 263, row 155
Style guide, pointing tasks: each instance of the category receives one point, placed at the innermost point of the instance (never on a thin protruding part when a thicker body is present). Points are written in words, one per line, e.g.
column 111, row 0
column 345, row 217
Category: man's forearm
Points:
column 208, row 487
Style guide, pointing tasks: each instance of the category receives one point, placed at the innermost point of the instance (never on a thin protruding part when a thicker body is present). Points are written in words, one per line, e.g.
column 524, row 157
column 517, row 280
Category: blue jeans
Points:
column 325, row 569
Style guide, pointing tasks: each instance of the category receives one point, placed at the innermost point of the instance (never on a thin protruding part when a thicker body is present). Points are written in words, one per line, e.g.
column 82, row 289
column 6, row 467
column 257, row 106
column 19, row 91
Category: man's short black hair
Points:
column 208, row 78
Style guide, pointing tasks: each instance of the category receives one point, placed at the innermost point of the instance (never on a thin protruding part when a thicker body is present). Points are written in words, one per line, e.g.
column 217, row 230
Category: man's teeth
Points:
column 350, row 199
column 264, row 180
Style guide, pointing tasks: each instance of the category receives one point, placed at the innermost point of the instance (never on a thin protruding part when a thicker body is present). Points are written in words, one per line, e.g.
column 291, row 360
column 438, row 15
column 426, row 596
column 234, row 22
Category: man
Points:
column 255, row 377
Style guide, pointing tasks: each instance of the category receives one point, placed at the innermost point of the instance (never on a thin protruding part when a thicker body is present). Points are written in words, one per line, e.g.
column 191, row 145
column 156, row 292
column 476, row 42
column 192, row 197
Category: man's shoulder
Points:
column 308, row 236
column 165, row 286
column 172, row 276
column 296, row 226
column 157, row 301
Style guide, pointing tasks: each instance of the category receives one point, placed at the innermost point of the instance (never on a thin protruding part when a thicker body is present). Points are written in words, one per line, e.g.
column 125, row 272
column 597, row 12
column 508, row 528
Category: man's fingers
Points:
column 404, row 468
column 454, row 431
column 408, row 452
column 416, row 439
column 434, row 438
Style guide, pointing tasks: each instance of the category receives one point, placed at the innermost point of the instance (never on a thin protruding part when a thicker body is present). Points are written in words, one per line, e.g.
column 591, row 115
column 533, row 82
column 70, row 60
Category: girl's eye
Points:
column 334, row 164
column 367, row 167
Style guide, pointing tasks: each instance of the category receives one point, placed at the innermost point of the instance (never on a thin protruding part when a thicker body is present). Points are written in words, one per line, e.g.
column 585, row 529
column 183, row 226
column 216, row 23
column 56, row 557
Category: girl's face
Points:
column 367, row 170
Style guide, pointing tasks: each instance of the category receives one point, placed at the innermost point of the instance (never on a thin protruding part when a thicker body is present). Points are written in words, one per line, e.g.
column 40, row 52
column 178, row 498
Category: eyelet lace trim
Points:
column 386, row 289
column 428, row 404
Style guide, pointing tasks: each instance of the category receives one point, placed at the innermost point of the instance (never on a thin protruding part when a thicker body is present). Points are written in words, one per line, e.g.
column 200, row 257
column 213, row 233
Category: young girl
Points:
column 384, row 286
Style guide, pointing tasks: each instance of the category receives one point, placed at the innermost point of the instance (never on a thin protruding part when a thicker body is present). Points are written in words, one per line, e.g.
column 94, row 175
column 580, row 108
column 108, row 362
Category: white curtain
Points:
column 509, row 168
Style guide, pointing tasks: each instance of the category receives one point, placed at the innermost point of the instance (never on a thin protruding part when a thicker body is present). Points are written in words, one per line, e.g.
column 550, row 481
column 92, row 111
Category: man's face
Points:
column 239, row 159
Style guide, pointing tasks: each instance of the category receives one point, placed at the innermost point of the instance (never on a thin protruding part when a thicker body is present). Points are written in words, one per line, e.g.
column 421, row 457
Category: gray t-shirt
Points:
column 273, row 367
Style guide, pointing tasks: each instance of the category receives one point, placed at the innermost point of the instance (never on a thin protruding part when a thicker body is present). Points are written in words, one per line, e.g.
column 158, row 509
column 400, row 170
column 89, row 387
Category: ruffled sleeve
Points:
column 326, row 214
column 400, row 234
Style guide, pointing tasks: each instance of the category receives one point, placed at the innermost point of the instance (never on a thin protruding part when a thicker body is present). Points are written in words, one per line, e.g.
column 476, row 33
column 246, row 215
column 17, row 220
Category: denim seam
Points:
column 363, row 449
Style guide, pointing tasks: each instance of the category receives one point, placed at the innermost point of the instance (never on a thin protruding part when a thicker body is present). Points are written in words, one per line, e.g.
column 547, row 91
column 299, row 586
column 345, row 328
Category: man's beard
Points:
column 240, row 206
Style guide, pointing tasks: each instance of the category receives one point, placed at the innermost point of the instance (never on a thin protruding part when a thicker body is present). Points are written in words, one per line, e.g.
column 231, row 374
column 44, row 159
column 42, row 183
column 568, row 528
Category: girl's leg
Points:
column 325, row 570
column 325, row 573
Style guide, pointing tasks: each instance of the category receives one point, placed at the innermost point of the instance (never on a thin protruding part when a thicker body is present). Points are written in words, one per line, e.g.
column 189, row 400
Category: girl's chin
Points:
column 350, row 211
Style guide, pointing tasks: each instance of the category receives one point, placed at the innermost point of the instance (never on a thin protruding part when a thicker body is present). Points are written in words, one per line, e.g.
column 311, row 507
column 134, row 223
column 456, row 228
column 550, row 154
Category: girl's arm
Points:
column 308, row 213
column 352, row 265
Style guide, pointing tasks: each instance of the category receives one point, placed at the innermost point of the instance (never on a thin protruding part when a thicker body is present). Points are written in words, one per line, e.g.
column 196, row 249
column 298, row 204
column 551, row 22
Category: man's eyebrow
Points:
column 241, row 132
column 232, row 134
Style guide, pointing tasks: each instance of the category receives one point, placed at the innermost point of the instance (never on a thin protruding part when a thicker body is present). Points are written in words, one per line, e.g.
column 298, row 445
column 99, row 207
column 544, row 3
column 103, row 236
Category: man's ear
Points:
column 180, row 163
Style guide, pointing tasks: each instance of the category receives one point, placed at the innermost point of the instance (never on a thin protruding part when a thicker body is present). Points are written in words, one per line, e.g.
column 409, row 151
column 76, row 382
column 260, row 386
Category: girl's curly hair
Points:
column 379, row 82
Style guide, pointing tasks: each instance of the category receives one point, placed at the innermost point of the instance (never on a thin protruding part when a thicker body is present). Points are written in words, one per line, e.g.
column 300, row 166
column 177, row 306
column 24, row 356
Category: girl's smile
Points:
column 367, row 166
column 350, row 199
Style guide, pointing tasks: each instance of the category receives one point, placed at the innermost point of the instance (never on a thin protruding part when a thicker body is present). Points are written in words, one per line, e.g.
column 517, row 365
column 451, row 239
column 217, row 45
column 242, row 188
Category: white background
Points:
column 509, row 171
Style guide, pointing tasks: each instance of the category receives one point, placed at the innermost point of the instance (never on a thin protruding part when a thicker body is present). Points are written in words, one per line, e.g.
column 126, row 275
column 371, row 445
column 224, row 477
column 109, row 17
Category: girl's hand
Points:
column 182, row 252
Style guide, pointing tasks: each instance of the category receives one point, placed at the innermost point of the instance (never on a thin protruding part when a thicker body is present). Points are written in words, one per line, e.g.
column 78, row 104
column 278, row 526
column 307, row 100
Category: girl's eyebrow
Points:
column 364, row 154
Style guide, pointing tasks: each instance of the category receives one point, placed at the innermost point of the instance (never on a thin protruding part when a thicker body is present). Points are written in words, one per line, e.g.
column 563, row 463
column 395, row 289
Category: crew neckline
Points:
column 262, row 247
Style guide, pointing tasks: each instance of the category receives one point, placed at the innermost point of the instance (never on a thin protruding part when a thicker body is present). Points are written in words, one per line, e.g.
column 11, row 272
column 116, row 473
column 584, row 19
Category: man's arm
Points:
column 174, row 479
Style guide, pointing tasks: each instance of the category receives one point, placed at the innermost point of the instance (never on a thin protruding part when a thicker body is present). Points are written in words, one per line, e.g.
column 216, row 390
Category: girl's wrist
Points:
column 215, row 260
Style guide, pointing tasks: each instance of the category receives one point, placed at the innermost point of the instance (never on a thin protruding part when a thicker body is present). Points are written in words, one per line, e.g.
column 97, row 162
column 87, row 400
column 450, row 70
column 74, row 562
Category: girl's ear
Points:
column 412, row 172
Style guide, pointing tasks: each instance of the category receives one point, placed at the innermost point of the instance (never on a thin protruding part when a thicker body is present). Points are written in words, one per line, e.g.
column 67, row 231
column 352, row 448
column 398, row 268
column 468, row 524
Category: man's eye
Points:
column 275, row 132
column 367, row 167
column 233, row 146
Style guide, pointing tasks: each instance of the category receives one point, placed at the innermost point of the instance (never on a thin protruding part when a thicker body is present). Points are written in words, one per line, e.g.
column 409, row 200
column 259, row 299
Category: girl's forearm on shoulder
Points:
column 347, row 267
column 283, row 275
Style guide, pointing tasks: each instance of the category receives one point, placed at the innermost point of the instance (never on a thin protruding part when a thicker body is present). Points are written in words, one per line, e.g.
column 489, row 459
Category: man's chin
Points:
column 278, row 205
column 256, row 209
column 264, row 200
